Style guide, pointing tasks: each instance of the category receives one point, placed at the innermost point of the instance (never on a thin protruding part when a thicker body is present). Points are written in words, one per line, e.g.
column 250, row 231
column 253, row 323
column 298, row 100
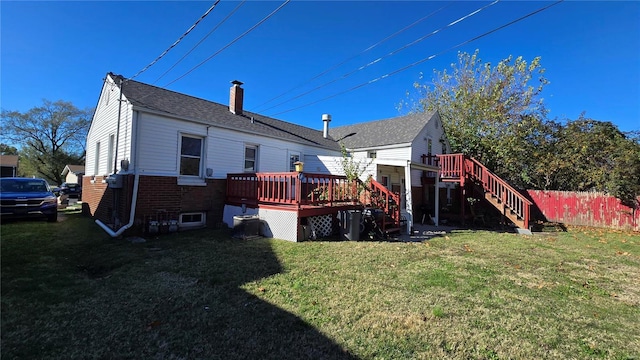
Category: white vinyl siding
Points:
column 224, row 149
column 104, row 125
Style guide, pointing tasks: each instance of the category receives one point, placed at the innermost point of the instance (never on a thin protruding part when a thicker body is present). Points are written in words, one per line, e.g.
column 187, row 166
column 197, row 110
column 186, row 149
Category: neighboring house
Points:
column 8, row 165
column 173, row 152
column 401, row 154
column 73, row 174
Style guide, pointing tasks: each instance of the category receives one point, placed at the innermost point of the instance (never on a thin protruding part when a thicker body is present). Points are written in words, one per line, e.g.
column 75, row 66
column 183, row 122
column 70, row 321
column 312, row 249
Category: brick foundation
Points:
column 159, row 198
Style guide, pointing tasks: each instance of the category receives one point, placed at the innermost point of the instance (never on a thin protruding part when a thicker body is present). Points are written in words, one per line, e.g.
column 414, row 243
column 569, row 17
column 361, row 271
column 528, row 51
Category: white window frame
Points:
column 385, row 180
column 192, row 224
column 255, row 159
column 292, row 160
column 96, row 165
column 372, row 154
column 183, row 179
column 110, row 148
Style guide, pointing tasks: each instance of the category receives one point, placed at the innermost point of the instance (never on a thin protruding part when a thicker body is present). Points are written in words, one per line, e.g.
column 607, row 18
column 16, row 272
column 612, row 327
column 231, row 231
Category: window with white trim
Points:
column 96, row 164
column 112, row 142
column 385, row 181
column 293, row 159
column 250, row 158
column 372, row 154
column 191, row 155
column 196, row 219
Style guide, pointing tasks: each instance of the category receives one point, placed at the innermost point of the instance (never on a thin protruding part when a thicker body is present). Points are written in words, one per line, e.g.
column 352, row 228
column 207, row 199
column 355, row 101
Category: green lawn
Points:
column 71, row 292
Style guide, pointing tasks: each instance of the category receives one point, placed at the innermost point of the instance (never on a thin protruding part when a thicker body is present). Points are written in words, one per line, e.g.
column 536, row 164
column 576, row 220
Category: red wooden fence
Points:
column 586, row 209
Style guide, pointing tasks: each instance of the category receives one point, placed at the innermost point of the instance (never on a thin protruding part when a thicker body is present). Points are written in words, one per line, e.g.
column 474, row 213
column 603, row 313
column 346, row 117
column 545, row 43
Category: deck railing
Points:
column 290, row 188
column 307, row 190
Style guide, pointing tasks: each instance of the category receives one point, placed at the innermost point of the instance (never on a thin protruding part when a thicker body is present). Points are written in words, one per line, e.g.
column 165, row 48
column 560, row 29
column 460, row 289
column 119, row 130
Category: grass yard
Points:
column 71, row 292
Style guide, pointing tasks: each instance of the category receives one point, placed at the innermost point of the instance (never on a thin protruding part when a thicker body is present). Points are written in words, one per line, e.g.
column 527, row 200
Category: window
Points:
column 372, row 154
column 112, row 140
column 192, row 220
column 250, row 158
column 293, row 158
column 190, row 156
column 429, row 146
column 96, row 164
column 385, row 181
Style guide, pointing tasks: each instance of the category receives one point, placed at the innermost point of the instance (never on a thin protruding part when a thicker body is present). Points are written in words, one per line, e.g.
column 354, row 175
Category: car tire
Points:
column 53, row 217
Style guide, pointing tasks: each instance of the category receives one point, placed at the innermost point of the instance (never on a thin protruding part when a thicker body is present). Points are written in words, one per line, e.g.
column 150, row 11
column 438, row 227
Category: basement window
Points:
column 192, row 220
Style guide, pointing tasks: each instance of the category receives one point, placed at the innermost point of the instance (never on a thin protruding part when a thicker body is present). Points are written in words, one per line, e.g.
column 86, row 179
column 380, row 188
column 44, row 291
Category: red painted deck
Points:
column 317, row 194
column 311, row 194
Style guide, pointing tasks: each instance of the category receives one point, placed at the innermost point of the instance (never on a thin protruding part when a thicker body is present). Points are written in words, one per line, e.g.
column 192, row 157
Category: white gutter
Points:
column 132, row 213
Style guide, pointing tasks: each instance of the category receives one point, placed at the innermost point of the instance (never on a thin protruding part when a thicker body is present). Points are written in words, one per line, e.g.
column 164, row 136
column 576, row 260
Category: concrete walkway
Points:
column 425, row 232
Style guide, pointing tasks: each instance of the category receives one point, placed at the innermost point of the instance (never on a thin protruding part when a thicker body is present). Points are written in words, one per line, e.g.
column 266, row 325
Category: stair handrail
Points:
column 496, row 186
column 381, row 197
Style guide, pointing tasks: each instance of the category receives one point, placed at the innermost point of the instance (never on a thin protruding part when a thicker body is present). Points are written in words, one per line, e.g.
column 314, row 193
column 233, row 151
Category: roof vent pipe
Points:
column 326, row 118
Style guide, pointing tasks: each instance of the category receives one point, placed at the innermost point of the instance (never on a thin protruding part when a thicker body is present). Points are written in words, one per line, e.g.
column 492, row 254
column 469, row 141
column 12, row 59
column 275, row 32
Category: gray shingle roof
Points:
column 398, row 130
column 76, row 169
column 175, row 104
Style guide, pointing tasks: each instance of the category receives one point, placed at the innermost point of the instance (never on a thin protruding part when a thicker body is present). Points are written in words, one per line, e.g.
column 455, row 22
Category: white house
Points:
column 159, row 159
column 396, row 152
column 166, row 155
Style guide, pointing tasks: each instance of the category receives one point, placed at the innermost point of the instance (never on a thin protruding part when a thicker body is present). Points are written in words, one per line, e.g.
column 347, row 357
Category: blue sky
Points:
column 62, row 50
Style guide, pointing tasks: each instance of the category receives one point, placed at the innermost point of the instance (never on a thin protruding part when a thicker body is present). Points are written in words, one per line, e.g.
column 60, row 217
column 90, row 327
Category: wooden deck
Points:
column 311, row 194
column 318, row 194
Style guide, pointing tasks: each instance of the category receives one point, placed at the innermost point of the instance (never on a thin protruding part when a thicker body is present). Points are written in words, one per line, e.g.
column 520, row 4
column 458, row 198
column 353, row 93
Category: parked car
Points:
column 71, row 190
column 27, row 197
column 55, row 189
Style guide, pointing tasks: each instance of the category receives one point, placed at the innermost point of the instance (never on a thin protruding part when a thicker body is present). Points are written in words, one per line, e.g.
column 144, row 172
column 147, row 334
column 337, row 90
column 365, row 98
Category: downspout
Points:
column 136, row 181
column 408, row 198
column 132, row 213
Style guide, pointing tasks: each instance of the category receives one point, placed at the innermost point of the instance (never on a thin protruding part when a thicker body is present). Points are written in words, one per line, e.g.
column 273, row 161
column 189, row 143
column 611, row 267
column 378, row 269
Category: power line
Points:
column 202, row 40
column 423, row 60
column 356, row 55
column 389, row 54
column 177, row 41
column 232, row 42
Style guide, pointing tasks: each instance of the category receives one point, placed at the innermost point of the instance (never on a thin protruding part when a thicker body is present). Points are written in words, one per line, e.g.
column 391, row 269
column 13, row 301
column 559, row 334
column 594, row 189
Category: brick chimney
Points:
column 236, row 94
column 326, row 118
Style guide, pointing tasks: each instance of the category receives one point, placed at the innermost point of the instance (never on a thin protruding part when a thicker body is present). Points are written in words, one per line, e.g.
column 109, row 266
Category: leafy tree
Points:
column 49, row 136
column 597, row 156
column 493, row 113
column 8, row 150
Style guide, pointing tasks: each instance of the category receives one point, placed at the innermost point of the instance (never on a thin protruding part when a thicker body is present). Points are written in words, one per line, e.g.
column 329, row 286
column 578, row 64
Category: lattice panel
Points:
column 280, row 224
column 321, row 225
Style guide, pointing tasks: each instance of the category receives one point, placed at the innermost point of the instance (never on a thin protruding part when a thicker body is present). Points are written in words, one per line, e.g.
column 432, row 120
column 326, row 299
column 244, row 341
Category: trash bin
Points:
column 353, row 225
column 245, row 226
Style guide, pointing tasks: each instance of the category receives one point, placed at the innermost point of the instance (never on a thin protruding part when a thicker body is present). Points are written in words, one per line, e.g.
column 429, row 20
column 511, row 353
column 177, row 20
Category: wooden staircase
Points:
column 378, row 196
column 463, row 169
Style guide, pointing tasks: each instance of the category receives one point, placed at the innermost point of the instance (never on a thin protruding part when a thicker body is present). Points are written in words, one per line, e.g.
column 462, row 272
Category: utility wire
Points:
column 232, row 42
column 356, row 55
column 389, row 54
column 177, row 41
column 202, row 40
column 423, row 60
